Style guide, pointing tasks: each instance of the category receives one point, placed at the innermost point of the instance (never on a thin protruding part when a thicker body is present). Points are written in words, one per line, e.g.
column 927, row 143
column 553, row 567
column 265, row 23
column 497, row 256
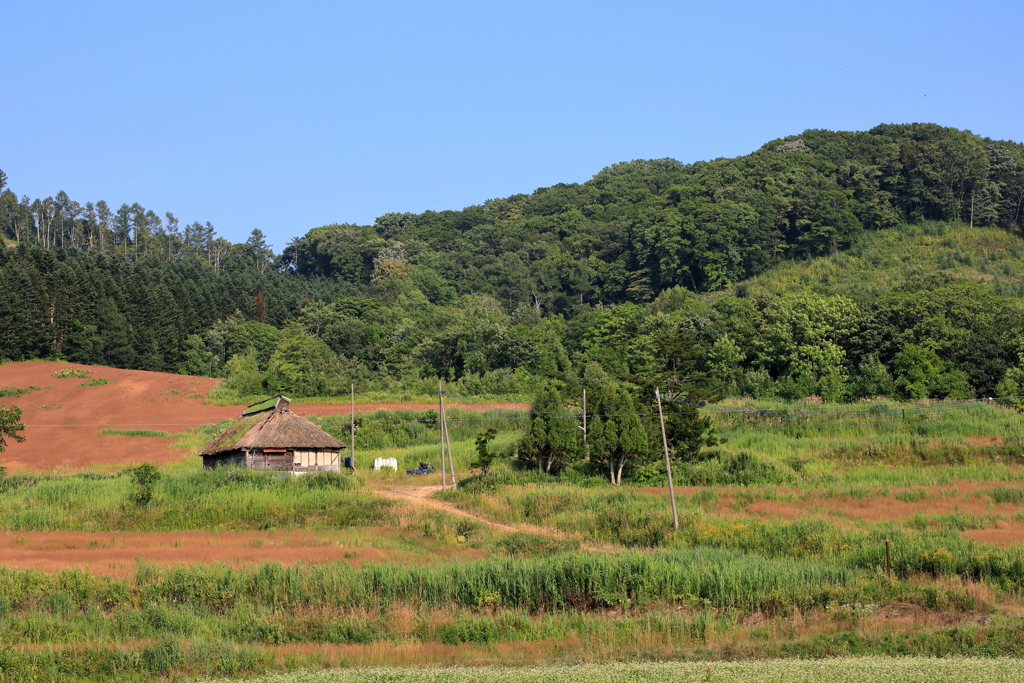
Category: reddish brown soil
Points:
column 1004, row 534
column 63, row 418
column 885, row 508
column 982, row 441
column 115, row 553
column 967, row 498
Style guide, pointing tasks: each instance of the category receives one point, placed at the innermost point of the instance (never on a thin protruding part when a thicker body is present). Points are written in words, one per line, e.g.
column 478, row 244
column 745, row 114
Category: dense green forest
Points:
column 583, row 285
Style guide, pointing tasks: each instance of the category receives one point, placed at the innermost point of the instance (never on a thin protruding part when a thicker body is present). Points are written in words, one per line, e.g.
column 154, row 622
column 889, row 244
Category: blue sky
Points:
column 287, row 116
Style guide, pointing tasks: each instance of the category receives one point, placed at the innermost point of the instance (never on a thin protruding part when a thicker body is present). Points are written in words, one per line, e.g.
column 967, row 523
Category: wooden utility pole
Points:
column 668, row 463
column 352, row 427
column 448, row 440
column 440, row 419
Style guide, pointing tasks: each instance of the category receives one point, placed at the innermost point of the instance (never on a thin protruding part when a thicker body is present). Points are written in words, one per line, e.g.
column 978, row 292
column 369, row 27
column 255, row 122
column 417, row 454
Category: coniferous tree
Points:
column 553, row 439
column 684, row 387
column 616, row 436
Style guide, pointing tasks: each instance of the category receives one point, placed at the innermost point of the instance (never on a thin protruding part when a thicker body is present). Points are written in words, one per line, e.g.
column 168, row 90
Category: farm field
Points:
column 777, row 572
column 66, row 416
column 119, row 554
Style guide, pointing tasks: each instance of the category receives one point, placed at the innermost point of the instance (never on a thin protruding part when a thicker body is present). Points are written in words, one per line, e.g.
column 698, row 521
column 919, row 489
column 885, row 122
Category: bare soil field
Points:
column 963, row 498
column 1003, row 534
column 62, row 419
column 116, row 553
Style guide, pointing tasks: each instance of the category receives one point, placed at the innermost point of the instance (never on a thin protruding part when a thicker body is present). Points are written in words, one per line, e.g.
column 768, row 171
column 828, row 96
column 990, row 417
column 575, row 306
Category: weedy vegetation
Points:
column 518, row 567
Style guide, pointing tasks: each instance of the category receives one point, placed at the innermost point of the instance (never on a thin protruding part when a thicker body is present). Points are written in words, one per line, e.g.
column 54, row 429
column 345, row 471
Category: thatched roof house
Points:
column 267, row 435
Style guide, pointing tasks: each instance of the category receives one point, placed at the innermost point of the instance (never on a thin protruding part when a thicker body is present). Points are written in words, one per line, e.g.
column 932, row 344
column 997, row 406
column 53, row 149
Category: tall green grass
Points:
column 633, row 519
column 155, row 661
column 391, row 429
column 941, row 437
column 221, row 498
column 569, row 582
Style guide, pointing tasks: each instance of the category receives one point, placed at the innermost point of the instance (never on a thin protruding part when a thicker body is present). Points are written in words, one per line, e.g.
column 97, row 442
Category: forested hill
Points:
column 640, row 227
column 576, row 282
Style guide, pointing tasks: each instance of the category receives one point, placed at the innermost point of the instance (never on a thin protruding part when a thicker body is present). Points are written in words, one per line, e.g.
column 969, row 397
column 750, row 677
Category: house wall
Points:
column 258, row 460
column 230, row 458
column 291, row 460
column 316, row 460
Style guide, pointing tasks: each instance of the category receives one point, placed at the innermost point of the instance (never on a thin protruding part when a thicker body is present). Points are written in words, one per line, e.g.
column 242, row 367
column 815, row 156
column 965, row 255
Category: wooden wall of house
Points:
column 258, row 460
column 291, row 460
column 230, row 458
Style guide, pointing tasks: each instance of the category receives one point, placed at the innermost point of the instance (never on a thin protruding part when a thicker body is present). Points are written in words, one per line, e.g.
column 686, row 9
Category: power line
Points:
column 803, row 412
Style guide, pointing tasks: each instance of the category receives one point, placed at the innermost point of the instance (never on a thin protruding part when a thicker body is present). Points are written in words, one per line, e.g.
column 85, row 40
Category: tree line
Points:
column 575, row 284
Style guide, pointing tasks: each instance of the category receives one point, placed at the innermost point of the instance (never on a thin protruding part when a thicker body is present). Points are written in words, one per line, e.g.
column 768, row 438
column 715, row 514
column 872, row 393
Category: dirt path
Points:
column 420, row 496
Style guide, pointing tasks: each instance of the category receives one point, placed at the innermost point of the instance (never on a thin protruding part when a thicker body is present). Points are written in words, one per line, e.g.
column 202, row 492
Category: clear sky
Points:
column 287, row 116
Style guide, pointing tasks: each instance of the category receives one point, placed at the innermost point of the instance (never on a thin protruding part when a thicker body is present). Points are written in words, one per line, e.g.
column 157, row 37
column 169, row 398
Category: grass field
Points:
column 846, row 670
column 778, row 570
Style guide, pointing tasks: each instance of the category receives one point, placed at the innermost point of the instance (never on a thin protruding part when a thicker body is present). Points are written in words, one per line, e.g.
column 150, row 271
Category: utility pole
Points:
column 352, row 427
column 668, row 464
column 448, row 440
column 440, row 417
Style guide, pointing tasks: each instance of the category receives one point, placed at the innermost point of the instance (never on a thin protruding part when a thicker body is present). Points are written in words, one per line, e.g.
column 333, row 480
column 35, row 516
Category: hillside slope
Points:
column 63, row 417
column 879, row 262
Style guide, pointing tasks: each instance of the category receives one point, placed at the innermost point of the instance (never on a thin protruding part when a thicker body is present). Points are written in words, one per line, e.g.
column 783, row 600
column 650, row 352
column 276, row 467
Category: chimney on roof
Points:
column 282, row 403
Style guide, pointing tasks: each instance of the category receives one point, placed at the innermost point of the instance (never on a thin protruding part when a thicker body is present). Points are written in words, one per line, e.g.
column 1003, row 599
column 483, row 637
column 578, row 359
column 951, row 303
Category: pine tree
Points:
column 616, row 434
column 684, row 388
column 553, row 439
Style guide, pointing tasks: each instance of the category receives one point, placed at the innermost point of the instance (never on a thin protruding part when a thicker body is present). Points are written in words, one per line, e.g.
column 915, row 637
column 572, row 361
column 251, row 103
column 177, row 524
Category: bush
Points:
column 735, row 469
column 145, row 477
column 1006, row 494
column 72, row 372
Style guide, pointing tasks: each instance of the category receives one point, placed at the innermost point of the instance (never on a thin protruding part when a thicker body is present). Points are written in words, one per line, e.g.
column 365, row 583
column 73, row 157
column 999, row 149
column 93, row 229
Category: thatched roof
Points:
column 270, row 424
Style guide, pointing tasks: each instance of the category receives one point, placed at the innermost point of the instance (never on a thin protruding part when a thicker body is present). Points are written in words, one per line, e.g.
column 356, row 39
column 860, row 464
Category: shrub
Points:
column 72, row 372
column 1006, row 494
column 145, row 477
